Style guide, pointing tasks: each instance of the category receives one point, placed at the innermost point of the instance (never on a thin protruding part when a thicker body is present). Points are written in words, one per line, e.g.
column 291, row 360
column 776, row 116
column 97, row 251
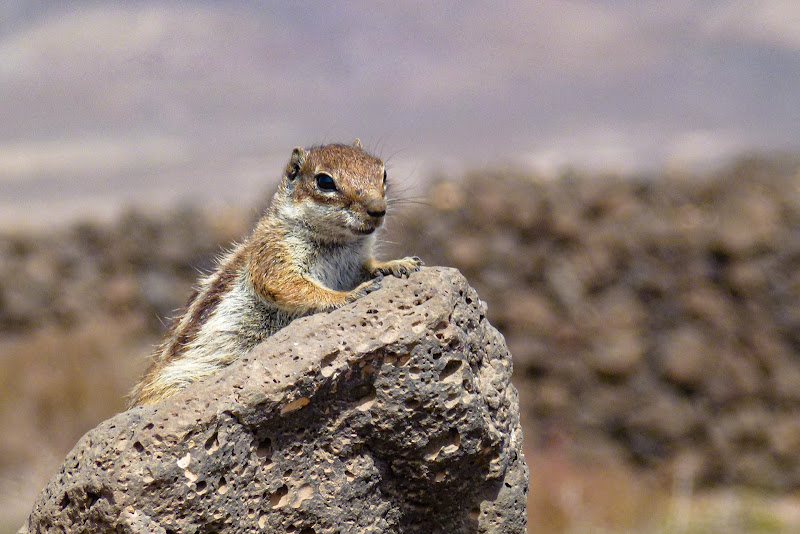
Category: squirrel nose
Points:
column 376, row 207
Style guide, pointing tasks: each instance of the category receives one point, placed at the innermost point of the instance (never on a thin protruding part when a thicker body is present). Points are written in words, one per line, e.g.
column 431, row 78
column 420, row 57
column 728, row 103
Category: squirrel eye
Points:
column 325, row 182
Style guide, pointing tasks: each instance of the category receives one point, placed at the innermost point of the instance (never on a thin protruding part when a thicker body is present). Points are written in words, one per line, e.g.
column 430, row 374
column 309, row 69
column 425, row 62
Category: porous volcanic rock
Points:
column 393, row 414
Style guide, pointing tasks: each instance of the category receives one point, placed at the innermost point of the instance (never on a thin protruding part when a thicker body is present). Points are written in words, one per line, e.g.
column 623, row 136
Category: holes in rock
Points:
column 328, row 359
column 450, row 369
column 222, row 489
column 264, row 450
column 403, row 360
column 278, row 498
column 92, row 497
column 184, row 461
column 452, row 401
column 149, row 426
column 138, row 447
column 295, row 404
column 414, row 370
column 308, row 530
column 64, row 501
column 365, row 397
column 212, row 443
column 453, row 443
column 304, row 493
column 444, row 445
column 201, row 487
column 413, row 403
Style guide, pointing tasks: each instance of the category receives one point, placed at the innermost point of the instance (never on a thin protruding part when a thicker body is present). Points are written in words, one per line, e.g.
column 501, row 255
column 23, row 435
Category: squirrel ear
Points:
column 295, row 162
column 357, row 144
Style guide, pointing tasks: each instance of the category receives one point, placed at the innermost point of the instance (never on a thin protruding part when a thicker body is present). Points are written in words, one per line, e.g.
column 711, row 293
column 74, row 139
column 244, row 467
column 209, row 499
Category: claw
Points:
column 399, row 268
column 366, row 288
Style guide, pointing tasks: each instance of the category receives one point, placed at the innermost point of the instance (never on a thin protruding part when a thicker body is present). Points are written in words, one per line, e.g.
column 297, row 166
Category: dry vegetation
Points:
column 655, row 324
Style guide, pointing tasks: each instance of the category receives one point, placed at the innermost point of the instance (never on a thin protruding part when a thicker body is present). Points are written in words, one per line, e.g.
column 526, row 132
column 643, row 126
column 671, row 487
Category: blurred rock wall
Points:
column 139, row 265
column 654, row 320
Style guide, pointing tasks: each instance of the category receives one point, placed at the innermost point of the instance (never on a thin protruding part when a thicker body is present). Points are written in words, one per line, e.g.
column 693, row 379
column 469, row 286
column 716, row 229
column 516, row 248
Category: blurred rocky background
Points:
column 654, row 322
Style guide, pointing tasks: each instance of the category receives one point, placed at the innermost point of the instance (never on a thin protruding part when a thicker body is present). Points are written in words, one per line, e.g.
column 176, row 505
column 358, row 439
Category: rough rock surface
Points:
column 394, row 414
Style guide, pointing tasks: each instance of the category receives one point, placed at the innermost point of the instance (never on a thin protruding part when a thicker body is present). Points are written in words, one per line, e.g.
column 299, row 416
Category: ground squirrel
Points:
column 311, row 251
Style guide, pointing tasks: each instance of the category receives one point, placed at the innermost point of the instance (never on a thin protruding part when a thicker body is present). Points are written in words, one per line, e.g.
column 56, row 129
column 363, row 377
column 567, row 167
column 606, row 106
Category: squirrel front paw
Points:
column 364, row 289
column 399, row 268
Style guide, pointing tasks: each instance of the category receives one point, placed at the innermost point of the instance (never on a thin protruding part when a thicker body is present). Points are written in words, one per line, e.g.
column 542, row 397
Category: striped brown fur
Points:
column 312, row 251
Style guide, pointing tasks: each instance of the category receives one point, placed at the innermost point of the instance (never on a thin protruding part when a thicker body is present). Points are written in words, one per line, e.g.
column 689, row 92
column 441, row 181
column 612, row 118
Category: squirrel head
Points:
column 337, row 191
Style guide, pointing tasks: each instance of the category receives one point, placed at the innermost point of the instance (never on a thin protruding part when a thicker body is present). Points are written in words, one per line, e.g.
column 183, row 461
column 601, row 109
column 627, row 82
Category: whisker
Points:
column 393, row 154
column 405, row 201
column 377, row 148
column 400, row 199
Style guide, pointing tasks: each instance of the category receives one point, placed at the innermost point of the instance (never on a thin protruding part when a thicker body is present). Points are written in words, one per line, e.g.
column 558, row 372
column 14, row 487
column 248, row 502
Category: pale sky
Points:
column 105, row 104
